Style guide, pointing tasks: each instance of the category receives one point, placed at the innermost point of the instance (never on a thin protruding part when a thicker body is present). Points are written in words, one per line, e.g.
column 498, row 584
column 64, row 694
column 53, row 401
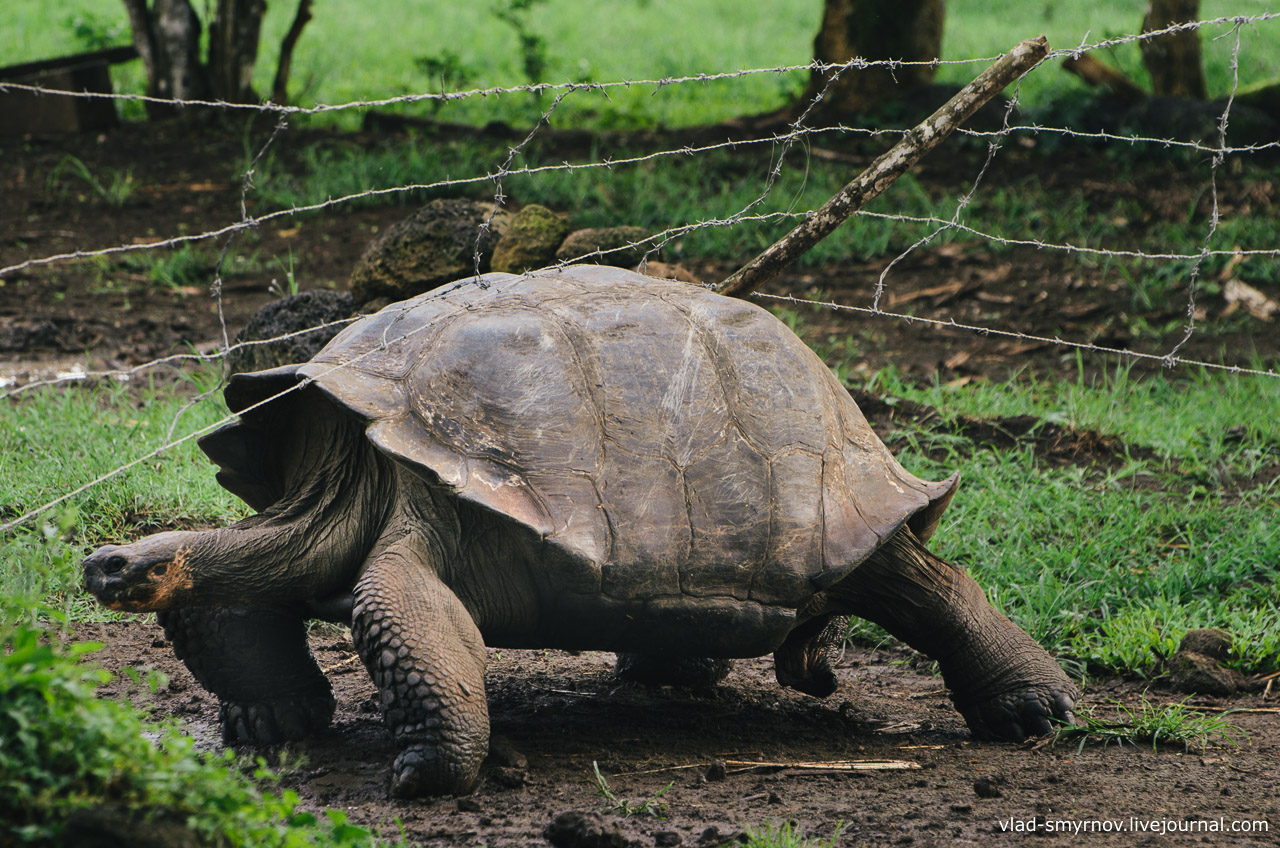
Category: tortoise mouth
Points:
column 130, row 581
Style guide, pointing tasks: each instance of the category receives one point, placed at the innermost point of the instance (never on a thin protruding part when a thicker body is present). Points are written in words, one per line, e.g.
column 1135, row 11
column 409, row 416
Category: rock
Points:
column 718, row 770
column 605, row 246
column 1196, row 669
column 436, row 245
column 666, row 839
column 576, row 829
column 1211, row 642
column 530, row 242
column 988, row 787
column 286, row 316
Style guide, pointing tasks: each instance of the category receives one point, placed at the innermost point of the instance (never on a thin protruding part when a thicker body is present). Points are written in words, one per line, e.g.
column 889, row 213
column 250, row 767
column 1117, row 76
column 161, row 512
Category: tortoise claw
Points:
column 273, row 722
column 1016, row 716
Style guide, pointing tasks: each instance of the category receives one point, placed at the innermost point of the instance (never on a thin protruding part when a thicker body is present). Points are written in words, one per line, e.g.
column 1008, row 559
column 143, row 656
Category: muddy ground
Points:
column 747, row 753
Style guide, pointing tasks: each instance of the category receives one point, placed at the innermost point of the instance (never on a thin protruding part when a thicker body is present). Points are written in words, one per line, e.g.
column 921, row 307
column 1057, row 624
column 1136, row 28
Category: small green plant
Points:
column 65, row 749
column 447, row 70
column 290, row 285
column 533, row 47
column 1151, row 723
column 650, row 806
column 116, row 189
column 93, row 33
column 788, row 835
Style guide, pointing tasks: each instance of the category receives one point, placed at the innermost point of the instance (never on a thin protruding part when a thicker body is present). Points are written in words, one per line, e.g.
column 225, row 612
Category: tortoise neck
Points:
column 311, row 543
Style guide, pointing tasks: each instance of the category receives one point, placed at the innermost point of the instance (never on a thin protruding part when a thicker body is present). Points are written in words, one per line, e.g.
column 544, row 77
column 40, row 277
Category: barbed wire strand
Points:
column 952, row 324
column 1193, row 278
column 543, row 88
column 993, row 147
column 782, row 147
column 500, row 198
column 215, row 287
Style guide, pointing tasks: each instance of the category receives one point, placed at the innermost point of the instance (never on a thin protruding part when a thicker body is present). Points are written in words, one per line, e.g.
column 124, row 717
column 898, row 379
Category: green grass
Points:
column 1151, row 724
column 355, row 51
column 621, row 806
column 787, row 835
column 66, row 750
column 54, row 441
column 1203, row 419
column 1111, row 567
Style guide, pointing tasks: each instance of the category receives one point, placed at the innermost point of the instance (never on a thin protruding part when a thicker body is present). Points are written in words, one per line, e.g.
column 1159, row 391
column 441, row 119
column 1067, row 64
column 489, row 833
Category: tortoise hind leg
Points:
column 256, row 660
column 803, row 661
column 426, row 657
column 1004, row 684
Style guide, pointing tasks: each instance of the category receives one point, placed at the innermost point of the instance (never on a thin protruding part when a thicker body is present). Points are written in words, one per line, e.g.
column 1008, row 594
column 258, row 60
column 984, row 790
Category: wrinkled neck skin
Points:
column 311, row 543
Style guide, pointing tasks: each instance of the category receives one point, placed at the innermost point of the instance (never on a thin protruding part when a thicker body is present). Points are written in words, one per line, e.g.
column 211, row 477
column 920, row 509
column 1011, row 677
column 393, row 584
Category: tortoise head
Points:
column 150, row 575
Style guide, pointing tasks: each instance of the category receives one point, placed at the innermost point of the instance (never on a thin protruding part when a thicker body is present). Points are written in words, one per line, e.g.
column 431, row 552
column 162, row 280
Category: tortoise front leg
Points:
column 426, row 657
column 256, row 660
column 1004, row 684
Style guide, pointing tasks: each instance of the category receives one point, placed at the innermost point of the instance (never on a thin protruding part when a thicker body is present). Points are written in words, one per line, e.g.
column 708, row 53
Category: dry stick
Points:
column 881, row 174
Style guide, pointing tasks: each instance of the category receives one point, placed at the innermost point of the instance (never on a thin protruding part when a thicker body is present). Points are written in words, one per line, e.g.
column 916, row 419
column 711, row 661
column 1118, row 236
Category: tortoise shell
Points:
column 660, row 439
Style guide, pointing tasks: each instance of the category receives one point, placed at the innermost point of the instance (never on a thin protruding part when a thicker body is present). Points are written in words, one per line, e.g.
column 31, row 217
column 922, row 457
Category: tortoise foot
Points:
column 1015, row 716
column 421, row 771
column 276, row 721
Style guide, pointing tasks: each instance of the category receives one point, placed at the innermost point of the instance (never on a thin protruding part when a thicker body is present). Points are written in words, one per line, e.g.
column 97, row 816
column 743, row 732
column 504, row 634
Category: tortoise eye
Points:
column 159, row 570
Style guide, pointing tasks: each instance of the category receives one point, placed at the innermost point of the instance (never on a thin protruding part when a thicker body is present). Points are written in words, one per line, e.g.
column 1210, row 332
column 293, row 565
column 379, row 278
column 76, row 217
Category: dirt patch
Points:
column 748, row 753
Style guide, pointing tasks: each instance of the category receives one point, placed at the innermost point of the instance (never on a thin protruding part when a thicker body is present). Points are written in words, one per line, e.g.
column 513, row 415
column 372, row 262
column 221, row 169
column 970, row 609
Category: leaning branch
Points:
column 881, row 174
column 280, row 88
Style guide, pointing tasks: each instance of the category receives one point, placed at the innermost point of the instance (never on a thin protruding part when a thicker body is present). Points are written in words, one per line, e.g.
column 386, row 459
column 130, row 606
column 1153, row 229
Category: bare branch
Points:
column 881, row 174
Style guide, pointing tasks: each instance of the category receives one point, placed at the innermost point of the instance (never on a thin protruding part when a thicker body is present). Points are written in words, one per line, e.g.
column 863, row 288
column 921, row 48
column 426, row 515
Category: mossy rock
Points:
column 605, row 246
column 530, row 241
column 436, row 245
column 283, row 317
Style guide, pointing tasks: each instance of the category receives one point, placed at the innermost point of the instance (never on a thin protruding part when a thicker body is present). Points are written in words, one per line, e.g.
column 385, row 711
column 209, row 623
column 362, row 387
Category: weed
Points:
column 533, row 47
column 67, row 749
column 290, row 286
column 93, row 33
column 788, row 835
column 1150, row 723
column 650, row 806
column 116, row 189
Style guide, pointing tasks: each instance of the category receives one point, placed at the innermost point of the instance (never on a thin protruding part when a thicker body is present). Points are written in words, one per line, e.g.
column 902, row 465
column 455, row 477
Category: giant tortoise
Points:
column 577, row 458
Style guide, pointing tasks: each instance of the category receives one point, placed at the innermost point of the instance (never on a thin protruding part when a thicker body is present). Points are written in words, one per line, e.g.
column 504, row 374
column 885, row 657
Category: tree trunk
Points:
column 233, row 48
column 168, row 39
column 1173, row 60
column 167, row 35
column 904, row 30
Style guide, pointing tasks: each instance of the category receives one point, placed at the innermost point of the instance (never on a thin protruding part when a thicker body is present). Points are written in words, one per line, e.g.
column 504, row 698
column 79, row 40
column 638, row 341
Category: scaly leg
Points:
column 256, row 660
column 426, row 657
column 1004, row 684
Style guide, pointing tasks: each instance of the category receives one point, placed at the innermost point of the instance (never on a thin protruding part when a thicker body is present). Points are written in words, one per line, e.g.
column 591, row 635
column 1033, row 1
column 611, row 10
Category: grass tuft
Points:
column 1148, row 723
column 650, row 806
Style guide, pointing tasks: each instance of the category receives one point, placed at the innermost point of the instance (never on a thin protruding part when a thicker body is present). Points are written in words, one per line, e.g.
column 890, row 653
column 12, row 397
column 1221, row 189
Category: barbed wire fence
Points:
column 781, row 143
